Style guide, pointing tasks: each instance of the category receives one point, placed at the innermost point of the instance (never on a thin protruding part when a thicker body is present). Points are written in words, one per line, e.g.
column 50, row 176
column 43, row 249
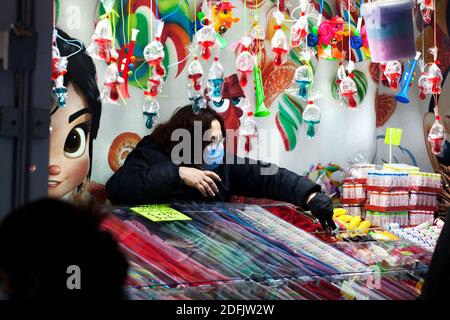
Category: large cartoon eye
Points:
column 75, row 144
column 236, row 100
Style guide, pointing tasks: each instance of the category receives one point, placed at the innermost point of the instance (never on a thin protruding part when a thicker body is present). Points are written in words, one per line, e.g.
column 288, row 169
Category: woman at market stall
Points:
column 161, row 168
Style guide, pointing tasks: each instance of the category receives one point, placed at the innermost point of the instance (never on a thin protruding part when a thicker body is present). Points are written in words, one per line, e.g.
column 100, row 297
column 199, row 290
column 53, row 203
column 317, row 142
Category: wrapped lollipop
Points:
column 101, row 45
column 60, row 92
column 111, row 82
column 195, row 74
column 196, row 97
column 311, row 116
column 426, row 9
column 59, row 64
column 206, row 39
column 434, row 73
column 154, row 86
column 393, row 72
column 215, row 78
column 422, row 83
column 245, row 61
column 154, row 52
column 279, row 42
column 248, row 129
column 303, row 79
column 258, row 35
column 348, row 90
column 150, row 111
column 300, row 30
column 436, row 136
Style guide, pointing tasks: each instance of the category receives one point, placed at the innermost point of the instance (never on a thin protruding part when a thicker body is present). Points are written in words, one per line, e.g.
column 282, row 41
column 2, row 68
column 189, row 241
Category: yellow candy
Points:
column 354, row 223
column 339, row 212
column 345, row 218
column 364, row 226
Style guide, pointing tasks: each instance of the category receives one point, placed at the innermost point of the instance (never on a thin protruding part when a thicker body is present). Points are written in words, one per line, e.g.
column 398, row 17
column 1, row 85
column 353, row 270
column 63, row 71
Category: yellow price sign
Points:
column 160, row 212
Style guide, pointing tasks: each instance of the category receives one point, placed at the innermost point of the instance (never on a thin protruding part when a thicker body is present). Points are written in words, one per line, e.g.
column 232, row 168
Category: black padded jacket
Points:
column 149, row 176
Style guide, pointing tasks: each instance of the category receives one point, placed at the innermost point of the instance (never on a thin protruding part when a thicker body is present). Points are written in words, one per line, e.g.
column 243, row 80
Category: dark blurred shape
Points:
column 39, row 242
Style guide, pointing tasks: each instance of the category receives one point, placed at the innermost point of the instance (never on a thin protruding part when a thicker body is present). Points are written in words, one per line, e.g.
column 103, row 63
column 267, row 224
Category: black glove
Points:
column 322, row 209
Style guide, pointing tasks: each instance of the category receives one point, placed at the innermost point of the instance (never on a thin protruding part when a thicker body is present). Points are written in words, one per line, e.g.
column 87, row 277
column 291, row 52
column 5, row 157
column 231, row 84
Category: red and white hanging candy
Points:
column 245, row 62
column 393, row 72
column 279, row 42
column 154, row 52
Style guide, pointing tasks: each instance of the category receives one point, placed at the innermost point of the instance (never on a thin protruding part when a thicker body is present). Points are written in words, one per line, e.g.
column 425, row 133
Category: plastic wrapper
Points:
column 279, row 42
column 196, row 97
column 60, row 92
column 299, row 31
column 110, row 89
column 101, row 45
column 426, row 8
column 436, row 137
column 245, row 62
column 303, row 79
column 393, row 73
column 215, row 79
column 206, row 38
column 154, row 52
column 195, row 74
column 311, row 117
column 150, row 110
column 154, row 86
column 348, row 91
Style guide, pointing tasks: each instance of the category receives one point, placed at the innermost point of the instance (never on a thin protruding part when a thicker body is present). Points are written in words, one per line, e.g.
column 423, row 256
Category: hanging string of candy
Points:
column 248, row 61
column 154, row 56
column 432, row 85
column 279, row 42
column 59, row 66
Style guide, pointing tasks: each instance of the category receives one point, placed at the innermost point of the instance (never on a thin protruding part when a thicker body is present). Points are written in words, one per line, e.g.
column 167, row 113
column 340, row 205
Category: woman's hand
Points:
column 203, row 181
column 321, row 207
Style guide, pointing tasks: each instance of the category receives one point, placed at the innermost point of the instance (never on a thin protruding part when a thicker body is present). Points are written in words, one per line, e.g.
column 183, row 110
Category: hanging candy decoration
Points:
column 245, row 61
column 102, row 39
column 195, row 74
column 126, row 63
column 197, row 99
column 248, row 129
column 222, row 15
column 434, row 73
column 215, row 78
column 258, row 36
column 422, row 83
column 348, row 89
column 195, row 81
column 206, row 38
column 110, row 90
column 154, row 52
column 393, row 72
column 311, row 116
column 300, row 30
column 59, row 69
column 150, row 108
column 426, row 9
column 436, row 136
column 279, row 41
column 303, row 78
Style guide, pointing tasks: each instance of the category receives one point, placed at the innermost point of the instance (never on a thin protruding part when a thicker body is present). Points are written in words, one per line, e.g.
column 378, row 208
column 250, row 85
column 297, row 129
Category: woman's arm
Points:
column 147, row 176
column 257, row 179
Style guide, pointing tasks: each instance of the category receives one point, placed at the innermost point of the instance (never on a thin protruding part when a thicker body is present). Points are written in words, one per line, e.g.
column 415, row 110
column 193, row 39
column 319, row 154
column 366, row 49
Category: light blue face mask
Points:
column 213, row 156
